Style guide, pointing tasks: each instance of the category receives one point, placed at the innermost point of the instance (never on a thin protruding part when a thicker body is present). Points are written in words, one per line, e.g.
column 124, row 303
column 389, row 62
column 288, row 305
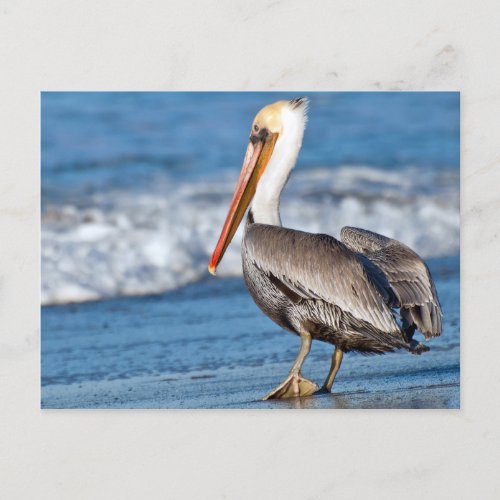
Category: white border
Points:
column 247, row 45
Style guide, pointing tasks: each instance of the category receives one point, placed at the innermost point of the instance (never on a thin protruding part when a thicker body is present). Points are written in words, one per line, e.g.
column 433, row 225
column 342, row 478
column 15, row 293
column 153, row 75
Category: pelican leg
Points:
column 337, row 356
column 295, row 385
column 415, row 347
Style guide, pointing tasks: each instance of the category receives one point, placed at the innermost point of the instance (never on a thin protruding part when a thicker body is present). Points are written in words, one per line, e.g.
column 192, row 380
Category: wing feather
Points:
column 317, row 266
column 406, row 272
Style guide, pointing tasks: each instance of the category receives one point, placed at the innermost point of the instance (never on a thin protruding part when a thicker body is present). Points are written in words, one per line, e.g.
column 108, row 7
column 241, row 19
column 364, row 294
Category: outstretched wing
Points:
column 407, row 273
column 317, row 266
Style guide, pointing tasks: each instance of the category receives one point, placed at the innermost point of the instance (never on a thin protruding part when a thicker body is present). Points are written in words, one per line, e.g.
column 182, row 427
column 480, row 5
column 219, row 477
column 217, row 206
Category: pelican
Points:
column 313, row 285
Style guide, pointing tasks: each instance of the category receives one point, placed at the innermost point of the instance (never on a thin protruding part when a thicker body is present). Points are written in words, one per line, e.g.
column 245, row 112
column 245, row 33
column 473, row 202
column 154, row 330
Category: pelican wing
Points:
column 317, row 266
column 406, row 272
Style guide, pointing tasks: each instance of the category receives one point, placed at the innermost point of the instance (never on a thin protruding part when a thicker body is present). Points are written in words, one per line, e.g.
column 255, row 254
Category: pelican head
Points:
column 275, row 140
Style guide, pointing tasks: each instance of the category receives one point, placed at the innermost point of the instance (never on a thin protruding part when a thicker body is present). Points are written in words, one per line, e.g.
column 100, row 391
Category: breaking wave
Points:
column 121, row 242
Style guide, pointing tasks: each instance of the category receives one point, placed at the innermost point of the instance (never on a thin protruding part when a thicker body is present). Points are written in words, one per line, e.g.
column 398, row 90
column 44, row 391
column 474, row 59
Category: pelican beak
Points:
column 259, row 151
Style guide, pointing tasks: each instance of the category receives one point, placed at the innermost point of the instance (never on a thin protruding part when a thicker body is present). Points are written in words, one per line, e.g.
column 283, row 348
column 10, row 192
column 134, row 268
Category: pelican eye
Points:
column 258, row 134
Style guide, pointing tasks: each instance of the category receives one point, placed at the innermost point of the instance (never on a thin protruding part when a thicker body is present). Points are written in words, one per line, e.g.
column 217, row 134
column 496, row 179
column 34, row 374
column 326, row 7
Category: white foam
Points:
column 122, row 243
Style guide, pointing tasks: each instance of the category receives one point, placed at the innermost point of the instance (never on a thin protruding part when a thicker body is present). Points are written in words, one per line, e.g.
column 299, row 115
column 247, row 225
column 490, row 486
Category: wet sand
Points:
column 208, row 346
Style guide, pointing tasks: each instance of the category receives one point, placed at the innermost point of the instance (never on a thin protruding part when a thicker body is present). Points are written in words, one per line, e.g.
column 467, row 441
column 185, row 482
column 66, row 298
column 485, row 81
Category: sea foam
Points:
column 122, row 242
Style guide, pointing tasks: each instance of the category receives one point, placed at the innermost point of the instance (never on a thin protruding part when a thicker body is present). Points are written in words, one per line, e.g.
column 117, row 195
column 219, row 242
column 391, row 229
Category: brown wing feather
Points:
column 317, row 266
column 406, row 272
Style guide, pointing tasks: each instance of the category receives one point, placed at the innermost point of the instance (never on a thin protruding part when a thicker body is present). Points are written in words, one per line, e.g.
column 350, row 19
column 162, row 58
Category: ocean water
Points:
column 135, row 186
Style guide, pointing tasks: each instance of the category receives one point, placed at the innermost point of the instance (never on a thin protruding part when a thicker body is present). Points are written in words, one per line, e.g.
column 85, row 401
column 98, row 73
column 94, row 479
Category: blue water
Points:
column 92, row 140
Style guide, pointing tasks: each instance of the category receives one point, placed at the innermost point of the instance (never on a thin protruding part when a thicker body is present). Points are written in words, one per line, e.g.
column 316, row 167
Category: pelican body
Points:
column 313, row 285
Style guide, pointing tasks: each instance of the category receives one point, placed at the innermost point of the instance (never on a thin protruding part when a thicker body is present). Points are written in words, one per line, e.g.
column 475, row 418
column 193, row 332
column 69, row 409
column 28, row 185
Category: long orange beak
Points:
column 258, row 153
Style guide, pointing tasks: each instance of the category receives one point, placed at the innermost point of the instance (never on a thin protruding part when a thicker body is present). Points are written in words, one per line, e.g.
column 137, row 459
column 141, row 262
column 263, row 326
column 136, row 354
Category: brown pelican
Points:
column 340, row 292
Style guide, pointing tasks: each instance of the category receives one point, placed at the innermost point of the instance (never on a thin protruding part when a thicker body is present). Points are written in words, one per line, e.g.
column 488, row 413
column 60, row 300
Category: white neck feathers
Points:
column 265, row 206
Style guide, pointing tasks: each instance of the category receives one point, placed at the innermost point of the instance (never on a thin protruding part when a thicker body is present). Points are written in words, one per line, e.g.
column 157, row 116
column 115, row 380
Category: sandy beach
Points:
column 208, row 346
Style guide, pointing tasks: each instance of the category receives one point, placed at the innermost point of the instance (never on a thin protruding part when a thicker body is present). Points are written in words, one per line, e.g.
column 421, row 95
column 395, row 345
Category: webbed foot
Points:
column 293, row 386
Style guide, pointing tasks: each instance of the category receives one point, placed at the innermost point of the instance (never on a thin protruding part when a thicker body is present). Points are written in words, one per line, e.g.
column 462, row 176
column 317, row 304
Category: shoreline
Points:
column 207, row 345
